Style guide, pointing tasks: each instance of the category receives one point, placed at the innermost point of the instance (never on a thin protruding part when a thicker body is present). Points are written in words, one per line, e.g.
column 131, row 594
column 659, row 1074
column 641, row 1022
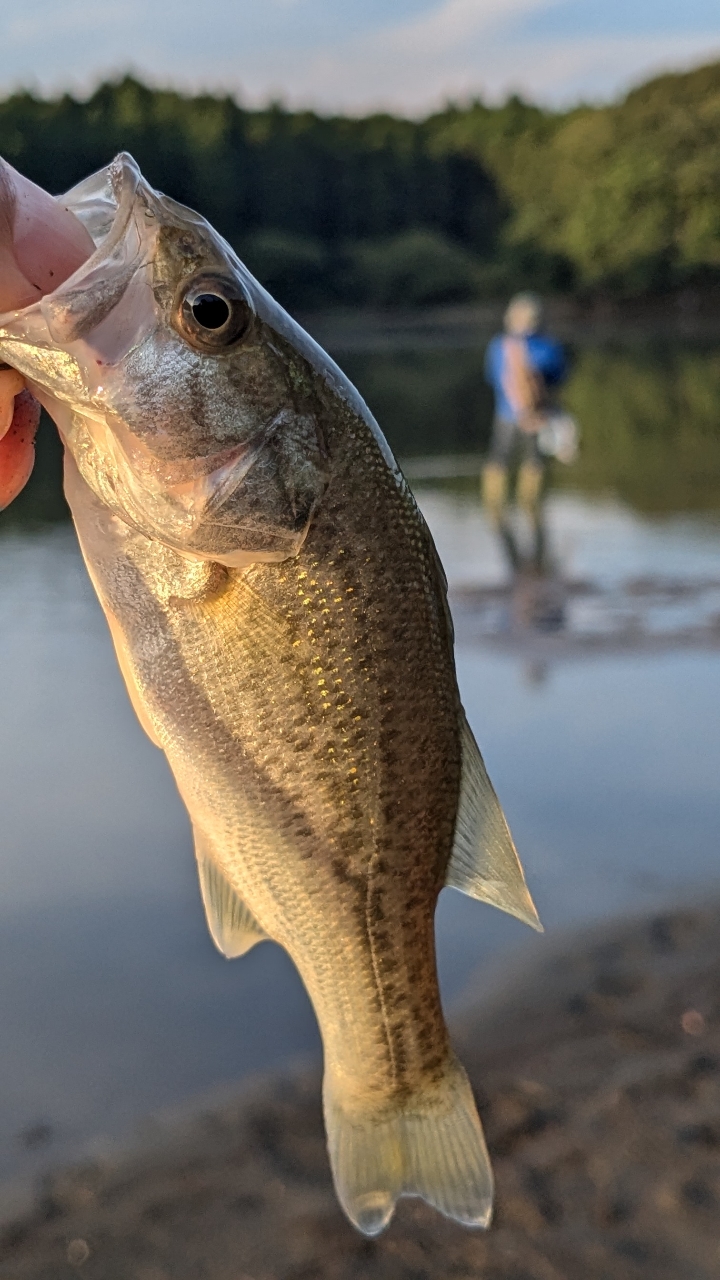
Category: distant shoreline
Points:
column 688, row 315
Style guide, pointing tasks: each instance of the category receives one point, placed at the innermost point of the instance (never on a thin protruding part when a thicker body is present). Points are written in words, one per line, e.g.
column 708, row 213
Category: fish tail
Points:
column 446, row 1159
column 430, row 1145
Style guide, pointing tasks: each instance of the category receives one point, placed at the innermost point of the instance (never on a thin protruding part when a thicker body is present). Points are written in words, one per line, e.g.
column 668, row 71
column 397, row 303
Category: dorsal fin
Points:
column 233, row 928
column 484, row 862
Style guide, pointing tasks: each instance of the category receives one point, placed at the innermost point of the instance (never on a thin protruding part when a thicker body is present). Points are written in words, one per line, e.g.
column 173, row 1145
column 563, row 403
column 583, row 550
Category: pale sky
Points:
column 357, row 55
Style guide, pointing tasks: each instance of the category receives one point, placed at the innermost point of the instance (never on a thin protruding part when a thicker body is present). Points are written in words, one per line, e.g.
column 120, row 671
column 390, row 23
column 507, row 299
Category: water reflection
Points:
column 612, row 583
column 649, row 418
column 648, row 413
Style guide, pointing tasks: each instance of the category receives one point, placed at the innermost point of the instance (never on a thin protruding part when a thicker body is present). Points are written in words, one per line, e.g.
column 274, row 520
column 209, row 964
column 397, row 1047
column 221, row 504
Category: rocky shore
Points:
column 598, row 1078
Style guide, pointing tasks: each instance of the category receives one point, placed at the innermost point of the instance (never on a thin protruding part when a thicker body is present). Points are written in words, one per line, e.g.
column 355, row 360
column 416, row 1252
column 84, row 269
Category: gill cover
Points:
column 186, row 411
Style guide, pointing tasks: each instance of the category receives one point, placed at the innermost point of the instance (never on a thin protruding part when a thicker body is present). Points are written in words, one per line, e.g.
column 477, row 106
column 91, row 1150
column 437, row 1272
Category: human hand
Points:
column 41, row 245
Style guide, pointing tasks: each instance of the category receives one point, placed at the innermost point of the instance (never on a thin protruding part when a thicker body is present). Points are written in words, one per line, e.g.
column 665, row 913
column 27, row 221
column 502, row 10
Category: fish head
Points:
column 181, row 390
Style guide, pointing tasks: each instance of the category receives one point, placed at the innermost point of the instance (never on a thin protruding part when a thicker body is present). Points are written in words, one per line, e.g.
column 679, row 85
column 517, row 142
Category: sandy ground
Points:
column 598, row 1079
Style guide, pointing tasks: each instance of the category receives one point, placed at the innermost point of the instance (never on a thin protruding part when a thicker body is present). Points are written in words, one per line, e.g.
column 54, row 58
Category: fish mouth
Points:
column 72, row 346
column 104, row 203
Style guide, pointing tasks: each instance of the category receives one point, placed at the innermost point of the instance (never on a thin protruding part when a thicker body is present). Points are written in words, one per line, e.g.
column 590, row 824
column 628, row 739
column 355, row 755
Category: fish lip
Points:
column 125, row 179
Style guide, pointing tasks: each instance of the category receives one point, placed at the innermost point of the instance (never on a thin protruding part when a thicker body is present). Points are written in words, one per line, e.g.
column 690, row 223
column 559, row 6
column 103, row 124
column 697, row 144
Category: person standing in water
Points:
column 523, row 366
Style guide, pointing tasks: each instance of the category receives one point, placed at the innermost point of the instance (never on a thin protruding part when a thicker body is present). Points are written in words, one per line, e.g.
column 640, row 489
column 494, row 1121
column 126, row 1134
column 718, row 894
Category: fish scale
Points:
column 280, row 618
column 271, row 738
column 385, row 884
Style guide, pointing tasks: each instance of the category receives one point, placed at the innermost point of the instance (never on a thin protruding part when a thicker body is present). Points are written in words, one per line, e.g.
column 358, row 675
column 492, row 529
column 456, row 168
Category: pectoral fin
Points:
column 233, row 928
column 484, row 862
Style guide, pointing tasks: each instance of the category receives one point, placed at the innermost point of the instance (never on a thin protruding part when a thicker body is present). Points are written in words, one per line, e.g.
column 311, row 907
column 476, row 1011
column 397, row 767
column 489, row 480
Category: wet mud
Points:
column 544, row 616
column 597, row 1069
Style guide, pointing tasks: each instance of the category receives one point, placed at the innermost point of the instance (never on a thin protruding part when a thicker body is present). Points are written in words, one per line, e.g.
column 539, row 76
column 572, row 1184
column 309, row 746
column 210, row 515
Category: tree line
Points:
column 471, row 202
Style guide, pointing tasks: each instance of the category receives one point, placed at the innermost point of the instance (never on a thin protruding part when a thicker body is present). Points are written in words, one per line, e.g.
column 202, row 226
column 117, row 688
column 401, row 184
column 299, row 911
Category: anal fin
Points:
column 233, row 928
column 484, row 862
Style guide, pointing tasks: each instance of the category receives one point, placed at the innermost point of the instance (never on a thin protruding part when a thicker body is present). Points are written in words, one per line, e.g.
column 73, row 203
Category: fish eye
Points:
column 212, row 314
column 210, row 310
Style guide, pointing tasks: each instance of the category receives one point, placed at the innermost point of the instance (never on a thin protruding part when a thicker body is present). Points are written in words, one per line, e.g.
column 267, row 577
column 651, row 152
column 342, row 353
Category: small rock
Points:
column 78, row 1252
column 692, row 1023
column 36, row 1135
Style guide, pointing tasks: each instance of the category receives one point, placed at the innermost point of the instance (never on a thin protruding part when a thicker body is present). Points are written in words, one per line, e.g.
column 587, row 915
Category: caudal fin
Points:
column 432, row 1146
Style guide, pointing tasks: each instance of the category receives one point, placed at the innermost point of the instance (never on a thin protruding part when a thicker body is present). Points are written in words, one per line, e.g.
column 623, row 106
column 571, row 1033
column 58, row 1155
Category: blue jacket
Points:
column 546, row 356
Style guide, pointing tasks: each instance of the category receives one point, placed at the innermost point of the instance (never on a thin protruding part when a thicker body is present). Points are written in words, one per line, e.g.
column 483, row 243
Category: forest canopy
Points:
column 470, row 202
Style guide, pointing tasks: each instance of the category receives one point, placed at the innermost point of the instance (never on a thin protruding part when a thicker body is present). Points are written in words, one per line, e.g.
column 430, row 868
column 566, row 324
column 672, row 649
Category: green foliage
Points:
column 295, row 269
column 415, row 268
column 426, row 402
column 649, row 419
column 623, row 198
column 332, row 178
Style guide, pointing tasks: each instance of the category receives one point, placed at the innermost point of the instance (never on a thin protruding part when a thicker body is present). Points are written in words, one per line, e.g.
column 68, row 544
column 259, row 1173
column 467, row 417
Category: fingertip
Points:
column 17, row 448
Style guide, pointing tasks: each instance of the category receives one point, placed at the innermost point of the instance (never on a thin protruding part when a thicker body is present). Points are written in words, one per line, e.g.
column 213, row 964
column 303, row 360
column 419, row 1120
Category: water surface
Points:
column 598, row 723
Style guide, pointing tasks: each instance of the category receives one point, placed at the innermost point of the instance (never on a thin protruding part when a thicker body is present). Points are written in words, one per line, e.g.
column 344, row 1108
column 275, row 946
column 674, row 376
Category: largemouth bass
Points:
column 279, row 614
